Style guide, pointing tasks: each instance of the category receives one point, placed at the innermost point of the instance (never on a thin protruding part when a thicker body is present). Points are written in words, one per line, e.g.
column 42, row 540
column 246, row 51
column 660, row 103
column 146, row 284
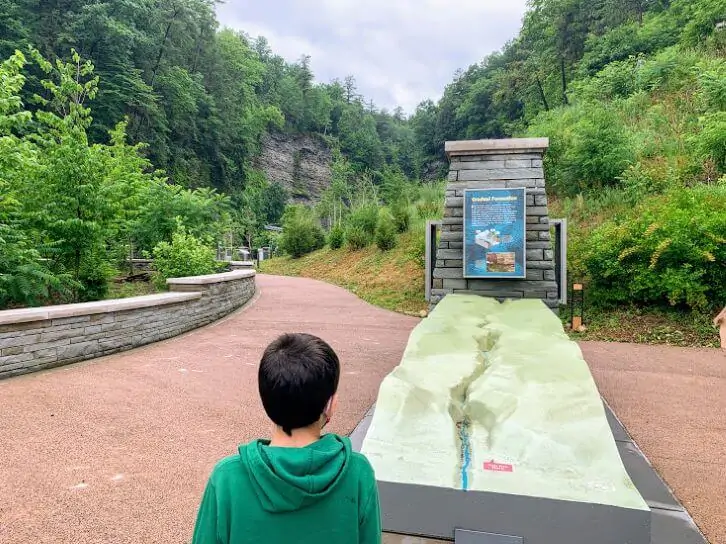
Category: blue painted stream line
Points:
column 466, row 453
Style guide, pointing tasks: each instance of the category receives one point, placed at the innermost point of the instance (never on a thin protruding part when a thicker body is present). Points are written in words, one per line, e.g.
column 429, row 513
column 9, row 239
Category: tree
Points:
column 359, row 138
column 351, row 89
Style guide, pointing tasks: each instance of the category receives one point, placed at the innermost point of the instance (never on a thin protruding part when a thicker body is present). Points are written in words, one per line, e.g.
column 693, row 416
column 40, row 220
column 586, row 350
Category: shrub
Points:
column 712, row 83
column 431, row 201
column 361, row 226
column 302, row 233
column 336, row 238
column 670, row 70
column 711, row 142
column 590, row 147
column 25, row 278
column 670, row 249
column 401, row 215
column 93, row 276
column 616, row 80
column 357, row 238
column 385, row 231
column 184, row 256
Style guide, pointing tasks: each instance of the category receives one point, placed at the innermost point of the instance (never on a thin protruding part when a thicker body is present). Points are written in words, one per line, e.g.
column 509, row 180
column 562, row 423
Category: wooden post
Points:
column 578, row 295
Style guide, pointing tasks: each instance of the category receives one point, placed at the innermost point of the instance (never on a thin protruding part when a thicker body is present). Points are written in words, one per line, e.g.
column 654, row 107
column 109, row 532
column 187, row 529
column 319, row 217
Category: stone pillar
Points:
column 496, row 164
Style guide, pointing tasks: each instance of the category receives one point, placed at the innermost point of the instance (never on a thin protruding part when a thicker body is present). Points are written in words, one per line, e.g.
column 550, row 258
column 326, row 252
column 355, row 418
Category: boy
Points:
column 298, row 487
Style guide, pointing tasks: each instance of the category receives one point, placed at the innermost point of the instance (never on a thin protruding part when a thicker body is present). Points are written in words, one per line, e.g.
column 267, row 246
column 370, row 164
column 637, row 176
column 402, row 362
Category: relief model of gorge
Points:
column 495, row 397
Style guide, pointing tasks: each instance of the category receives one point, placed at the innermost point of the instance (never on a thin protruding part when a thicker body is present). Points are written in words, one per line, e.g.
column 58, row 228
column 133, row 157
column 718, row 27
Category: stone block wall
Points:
column 38, row 338
column 496, row 164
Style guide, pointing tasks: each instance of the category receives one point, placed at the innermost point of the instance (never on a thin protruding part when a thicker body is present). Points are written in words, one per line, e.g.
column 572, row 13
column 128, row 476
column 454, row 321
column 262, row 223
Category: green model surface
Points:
column 495, row 397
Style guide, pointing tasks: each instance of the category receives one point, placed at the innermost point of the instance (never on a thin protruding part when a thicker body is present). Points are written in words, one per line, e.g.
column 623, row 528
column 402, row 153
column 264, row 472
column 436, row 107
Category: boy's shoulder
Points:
column 362, row 465
column 226, row 466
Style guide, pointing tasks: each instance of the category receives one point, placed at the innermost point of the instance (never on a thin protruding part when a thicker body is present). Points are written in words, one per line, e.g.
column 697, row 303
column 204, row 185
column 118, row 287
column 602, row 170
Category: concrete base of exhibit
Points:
column 670, row 523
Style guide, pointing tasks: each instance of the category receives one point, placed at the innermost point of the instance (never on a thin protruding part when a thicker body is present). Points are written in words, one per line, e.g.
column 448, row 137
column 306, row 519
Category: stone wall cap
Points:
column 475, row 147
column 212, row 278
column 242, row 263
column 25, row 315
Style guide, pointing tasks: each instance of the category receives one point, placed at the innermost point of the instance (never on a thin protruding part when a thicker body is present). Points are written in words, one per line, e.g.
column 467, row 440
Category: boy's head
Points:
column 298, row 378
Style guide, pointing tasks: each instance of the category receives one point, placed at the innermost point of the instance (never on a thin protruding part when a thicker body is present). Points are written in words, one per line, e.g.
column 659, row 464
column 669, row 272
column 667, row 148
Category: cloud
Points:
column 400, row 51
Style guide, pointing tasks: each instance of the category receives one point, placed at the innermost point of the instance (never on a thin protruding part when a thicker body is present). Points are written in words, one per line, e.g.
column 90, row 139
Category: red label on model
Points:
column 498, row 467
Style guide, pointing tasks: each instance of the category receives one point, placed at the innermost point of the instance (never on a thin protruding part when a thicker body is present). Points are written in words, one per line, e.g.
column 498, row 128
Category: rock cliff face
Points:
column 301, row 163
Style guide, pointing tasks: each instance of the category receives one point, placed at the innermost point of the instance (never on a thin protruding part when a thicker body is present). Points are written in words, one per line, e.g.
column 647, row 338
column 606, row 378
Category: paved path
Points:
column 117, row 450
column 673, row 403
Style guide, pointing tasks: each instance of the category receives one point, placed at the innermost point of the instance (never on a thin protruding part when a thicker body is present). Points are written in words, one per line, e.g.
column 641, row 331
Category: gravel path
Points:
column 673, row 403
column 117, row 450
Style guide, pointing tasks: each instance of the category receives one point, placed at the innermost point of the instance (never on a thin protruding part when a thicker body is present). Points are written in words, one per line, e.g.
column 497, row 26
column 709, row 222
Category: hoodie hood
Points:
column 287, row 479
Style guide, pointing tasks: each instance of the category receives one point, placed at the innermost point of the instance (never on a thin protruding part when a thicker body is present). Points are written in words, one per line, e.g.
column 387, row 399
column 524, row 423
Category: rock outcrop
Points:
column 301, row 163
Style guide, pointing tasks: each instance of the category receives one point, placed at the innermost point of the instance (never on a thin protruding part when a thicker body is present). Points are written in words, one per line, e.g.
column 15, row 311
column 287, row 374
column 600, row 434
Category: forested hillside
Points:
column 126, row 125
column 133, row 126
column 200, row 96
column 632, row 94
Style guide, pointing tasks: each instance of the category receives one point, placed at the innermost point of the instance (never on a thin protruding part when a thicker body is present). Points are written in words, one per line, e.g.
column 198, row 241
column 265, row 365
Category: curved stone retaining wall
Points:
column 33, row 339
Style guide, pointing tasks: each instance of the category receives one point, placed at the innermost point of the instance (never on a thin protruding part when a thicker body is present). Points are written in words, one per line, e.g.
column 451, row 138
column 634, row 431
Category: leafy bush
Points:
column 94, row 275
column 670, row 249
column 361, row 226
column 701, row 17
column 25, row 278
column 430, row 203
column 417, row 249
column 712, row 83
column 357, row 238
column 202, row 212
column 658, row 31
column 711, row 142
column 302, row 233
column 336, row 238
column 616, row 80
column 184, row 256
column 385, row 231
column 670, row 70
column 590, row 147
column 400, row 211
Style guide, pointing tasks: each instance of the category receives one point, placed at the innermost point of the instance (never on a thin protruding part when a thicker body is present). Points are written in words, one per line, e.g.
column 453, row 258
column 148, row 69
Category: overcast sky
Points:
column 400, row 51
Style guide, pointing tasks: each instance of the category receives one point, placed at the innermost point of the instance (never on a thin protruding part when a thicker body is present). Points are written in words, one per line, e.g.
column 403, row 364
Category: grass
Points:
column 648, row 326
column 391, row 279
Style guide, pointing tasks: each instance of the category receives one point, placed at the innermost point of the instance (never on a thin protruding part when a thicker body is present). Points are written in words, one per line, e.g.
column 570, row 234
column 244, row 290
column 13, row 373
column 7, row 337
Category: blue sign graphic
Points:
column 494, row 233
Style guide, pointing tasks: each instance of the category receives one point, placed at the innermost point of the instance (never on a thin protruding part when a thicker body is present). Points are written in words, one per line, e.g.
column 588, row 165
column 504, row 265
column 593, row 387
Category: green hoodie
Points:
column 322, row 493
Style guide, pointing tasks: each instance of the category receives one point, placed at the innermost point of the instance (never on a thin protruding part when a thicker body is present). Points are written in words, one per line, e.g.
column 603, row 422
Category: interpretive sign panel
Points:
column 494, row 233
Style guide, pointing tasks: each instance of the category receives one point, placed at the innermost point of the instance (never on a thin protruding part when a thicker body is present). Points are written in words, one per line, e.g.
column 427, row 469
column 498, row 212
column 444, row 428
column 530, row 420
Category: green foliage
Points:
column 590, row 147
column 336, row 237
column 302, row 233
column 711, row 142
column 25, row 278
column 430, row 204
column 185, row 256
column 361, row 226
column 200, row 96
column 385, row 231
column 701, row 18
column 670, row 249
column 401, row 212
column 712, row 84
column 357, row 238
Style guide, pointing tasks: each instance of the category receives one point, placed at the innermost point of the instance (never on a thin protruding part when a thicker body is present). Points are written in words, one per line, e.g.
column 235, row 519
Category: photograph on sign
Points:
column 494, row 233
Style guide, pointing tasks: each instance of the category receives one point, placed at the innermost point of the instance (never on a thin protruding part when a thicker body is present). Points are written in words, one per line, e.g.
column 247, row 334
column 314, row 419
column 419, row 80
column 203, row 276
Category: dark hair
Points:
column 298, row 375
